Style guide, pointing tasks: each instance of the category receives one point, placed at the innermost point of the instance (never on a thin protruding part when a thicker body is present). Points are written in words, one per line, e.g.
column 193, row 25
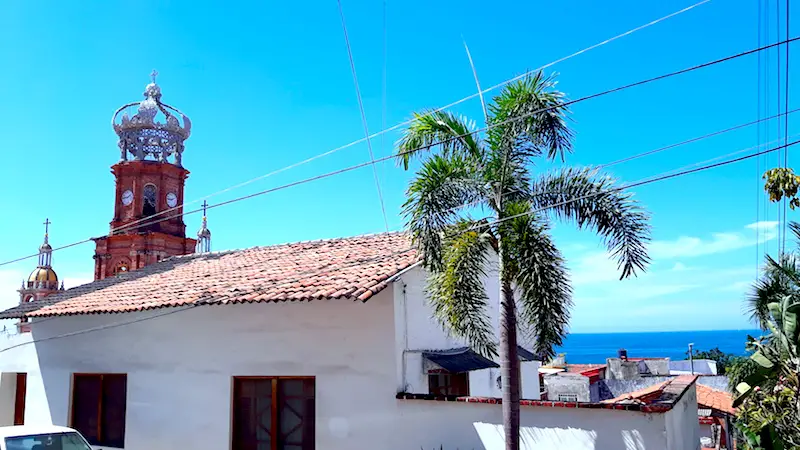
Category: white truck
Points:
column 41, row 437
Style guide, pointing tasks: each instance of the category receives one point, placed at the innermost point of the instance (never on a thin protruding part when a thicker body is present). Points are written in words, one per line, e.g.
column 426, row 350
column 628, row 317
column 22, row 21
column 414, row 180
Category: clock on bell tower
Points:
column 148, row 208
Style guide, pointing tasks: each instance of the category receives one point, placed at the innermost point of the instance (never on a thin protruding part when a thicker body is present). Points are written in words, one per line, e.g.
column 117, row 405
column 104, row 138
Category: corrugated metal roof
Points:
column 457, row 360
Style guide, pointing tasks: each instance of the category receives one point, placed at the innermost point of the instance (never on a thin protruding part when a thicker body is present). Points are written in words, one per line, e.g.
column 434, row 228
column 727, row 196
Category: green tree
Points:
column 780, row 183
column 770, row 406
column 491, row 173
column 723, row 360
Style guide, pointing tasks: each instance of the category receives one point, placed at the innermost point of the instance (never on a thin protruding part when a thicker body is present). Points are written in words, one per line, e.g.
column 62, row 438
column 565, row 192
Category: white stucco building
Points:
column 325, row 344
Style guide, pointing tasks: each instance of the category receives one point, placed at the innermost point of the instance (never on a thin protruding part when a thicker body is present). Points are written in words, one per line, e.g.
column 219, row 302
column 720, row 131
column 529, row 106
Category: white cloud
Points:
column 691, row 246
column 703, row 296
column 679, row 267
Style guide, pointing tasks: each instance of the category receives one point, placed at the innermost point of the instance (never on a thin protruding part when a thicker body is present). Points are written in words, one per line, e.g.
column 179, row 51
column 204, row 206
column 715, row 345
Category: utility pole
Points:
column 691, row 357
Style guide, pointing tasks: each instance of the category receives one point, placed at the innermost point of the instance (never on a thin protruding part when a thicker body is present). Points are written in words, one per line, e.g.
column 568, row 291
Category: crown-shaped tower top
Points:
column 154, row 132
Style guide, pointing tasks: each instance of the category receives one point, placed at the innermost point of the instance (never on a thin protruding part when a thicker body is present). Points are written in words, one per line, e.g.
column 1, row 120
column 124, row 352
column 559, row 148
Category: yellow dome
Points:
column 43, row 274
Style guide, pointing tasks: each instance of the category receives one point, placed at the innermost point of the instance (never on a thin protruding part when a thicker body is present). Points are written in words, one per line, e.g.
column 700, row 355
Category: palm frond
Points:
column 539, row 272
column 795, row 228
column 779, row 280
column 435, row 196
column 765, row 290
column 528, row 117
column 457, row 293
column 595, row 202
column 452, row 134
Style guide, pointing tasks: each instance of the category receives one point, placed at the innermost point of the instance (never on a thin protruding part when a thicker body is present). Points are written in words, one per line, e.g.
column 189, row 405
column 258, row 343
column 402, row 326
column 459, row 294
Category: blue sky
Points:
column 268, row 84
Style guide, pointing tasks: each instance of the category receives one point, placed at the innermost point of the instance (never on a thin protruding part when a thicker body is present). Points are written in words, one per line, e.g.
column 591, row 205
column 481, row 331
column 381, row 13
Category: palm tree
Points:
column 780, row 278
column 492, row 173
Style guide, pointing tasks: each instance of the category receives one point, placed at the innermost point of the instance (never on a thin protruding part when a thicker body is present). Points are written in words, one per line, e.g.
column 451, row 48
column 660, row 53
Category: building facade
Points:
column 326, row 344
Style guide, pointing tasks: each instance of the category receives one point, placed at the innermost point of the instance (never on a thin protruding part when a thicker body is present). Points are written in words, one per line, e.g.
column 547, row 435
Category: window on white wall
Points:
column 98, row 408
column 568, row 398
column 449, row 384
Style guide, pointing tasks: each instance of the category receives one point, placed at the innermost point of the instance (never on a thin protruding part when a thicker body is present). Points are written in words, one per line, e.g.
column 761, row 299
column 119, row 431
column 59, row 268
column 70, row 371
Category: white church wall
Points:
column 180, row 366
column 473, row 426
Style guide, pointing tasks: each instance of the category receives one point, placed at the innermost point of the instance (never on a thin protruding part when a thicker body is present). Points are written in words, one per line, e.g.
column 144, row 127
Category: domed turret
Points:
column 43, row 276
column 43, row 281
column 154, row 132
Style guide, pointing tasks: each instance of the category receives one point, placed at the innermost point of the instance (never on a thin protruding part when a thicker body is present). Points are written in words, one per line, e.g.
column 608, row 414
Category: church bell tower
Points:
column 148, row 206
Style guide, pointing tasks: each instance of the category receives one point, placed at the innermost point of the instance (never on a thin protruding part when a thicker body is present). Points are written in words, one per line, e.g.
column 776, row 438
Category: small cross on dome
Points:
column 153, row 75
column 47, row 226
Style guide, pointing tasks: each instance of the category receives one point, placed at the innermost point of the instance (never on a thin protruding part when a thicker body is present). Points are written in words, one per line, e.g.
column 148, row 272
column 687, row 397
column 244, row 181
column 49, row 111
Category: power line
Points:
column 364, row 260
column 695, row 139
column 758, row 140
column 786, row 130
column 518, row 77
column 489, row 126
column 363, row 115
column 767, row 205
column 386, row 130
column 631, row 185
column 781, row 211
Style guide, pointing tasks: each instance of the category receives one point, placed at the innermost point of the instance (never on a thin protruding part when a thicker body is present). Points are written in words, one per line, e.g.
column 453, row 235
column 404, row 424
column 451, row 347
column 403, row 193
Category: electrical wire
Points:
column 395, row 127
column 779, row 206
column 632, row 185
column 363, row 115
column 786, row 132
column 767, row 205
column 364, row 260
column 518, row 77
column 478, row 130
column 758, row 140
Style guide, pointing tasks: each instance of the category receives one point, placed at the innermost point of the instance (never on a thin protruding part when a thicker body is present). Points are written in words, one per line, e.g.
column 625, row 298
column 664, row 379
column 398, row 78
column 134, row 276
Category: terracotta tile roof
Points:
column 354, row 268
column 715, row 399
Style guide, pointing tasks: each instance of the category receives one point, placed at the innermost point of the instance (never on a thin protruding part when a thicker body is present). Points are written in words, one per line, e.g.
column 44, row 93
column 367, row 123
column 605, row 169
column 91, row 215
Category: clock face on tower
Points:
column 172, row 199
column 127, row 197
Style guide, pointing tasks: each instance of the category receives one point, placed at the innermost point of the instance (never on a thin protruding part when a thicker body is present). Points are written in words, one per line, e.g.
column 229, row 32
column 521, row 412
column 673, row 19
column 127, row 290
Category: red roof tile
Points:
column 714, row 399
column 353, row 268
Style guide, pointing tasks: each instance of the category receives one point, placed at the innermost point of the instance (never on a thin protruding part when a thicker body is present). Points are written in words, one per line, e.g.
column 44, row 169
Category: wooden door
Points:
column 19, row 399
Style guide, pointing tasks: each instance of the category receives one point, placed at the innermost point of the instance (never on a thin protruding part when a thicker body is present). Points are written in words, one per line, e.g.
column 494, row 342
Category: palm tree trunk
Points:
column 509, row 363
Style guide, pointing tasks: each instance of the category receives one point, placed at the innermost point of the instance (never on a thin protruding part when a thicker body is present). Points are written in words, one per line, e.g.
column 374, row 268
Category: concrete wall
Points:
column 683, row 429
column 701, row 367
column 8, row 400
column 181, row 366
column 567, row 384
column 658, row 366
column 467, row 426
column 618, row 369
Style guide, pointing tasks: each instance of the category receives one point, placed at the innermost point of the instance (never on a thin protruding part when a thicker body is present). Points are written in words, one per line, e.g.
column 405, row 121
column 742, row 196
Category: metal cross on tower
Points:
column 47, row 226
column 205, row 205
column 153, row 75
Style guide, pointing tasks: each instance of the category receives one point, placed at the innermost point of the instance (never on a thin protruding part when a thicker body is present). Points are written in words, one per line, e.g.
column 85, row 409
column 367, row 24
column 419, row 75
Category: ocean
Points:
column 589, row 348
